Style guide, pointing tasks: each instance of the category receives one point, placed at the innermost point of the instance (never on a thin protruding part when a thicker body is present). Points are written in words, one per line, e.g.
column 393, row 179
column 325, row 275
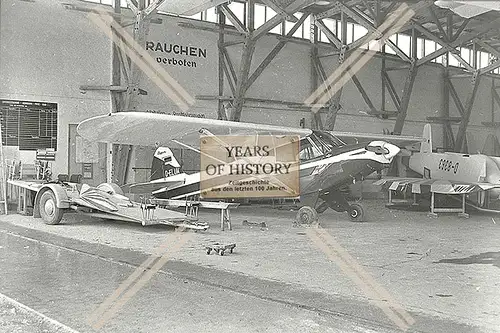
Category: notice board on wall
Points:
column 29, row 125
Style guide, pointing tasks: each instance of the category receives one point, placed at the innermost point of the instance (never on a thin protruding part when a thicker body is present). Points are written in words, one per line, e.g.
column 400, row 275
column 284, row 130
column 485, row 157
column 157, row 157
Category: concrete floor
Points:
column 443, row 272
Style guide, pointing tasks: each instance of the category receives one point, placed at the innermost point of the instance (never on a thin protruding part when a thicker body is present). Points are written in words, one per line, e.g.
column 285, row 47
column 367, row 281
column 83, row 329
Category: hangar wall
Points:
column 59, row 50
column 47, row 52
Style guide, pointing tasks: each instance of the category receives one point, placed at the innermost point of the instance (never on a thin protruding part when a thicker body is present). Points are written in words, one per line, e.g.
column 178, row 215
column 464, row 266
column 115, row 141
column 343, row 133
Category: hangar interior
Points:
column 243, row 61
column 73, row 70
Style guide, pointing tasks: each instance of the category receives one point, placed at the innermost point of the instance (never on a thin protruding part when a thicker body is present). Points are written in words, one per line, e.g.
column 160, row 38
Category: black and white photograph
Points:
column 249, row 166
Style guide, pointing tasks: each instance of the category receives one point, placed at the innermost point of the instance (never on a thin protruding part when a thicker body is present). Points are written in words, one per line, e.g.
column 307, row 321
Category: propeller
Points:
column 379, row 149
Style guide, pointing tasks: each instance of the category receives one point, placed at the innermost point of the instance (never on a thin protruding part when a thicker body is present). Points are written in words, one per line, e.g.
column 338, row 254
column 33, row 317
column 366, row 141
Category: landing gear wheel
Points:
column 356, row 213
column 48, row 208
column 306, row 215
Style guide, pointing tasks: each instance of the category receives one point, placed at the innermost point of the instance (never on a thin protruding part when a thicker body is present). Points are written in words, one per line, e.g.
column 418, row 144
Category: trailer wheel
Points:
column 306, row 215
column 356, row 213
column 48, row 208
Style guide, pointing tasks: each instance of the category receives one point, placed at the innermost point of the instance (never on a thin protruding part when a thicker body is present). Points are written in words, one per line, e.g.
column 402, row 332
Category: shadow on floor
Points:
column 491, row 258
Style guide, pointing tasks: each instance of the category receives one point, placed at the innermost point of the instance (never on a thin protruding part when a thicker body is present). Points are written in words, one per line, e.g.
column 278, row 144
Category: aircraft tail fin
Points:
column 426, row 145
column 164, row 164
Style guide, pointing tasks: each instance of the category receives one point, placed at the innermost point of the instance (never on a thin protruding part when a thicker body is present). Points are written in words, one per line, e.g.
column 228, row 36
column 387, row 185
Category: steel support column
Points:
column 246, row 60
column 122, row 153
column 221, row 111
column 316, row 122
column 459, row 142
column 405, row 98
column 117, row 101
column 335, row 106
column 448, row 137
column 245, row 63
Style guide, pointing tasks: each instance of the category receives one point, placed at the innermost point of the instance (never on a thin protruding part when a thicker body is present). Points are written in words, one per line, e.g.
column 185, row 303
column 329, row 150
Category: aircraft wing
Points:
column 469, row 8
column 398, row 140
column 422, row 185
column 147, row 129
column 149, row 187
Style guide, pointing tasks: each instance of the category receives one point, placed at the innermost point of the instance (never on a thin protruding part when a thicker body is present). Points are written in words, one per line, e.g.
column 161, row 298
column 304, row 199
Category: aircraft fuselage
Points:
column 326, row 173
column 457, row 167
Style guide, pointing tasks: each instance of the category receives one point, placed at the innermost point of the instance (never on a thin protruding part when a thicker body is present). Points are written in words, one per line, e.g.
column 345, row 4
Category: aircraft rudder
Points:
column 164, row 164
column 426, row 146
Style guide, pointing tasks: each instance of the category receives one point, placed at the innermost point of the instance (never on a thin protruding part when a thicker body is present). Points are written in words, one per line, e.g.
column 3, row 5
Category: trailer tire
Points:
column 306, row 216
column 49, row 211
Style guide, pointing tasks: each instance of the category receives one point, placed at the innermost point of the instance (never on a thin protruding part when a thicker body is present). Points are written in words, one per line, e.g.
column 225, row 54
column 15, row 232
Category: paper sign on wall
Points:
column 86, row 151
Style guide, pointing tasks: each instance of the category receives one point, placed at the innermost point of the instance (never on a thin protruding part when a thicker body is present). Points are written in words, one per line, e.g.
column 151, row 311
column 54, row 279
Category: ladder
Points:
column 3, row 177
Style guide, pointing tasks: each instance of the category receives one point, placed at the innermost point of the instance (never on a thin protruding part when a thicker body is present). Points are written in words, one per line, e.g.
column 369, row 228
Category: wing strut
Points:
column 196, row 150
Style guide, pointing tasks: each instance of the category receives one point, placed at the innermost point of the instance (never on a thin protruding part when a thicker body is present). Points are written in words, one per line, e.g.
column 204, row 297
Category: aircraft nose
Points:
column 388, row 150
column 393, row 150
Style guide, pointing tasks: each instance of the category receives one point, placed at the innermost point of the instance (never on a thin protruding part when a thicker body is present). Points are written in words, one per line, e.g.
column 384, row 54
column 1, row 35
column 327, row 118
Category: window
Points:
column 394, row 39
column 270, row 13
column 420, row 48
column 260, row 15
column 211, row 15
column 238, row 9
column 307, row 27
column 404, row 43
column 465, row 53
column 309, row 150
column 359, row 31
column 350, row 32
column 483, row 59
column 317, row 145
column 28, row 125
column 453, row 61
column 430, row 47
column 289, row 25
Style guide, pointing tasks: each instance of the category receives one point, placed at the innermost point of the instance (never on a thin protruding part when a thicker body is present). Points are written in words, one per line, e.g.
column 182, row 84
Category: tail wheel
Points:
column 306, row 215
column 48, row 208
column 356, row 213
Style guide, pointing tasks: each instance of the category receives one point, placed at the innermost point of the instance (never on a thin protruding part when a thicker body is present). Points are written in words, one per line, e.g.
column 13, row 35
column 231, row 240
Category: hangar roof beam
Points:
column 444, row 35
column 358, row 18
column 457, row 42
column 289, row 17
column 234, row 19
column 328, row 33
column 267, row 60
column 281, row 16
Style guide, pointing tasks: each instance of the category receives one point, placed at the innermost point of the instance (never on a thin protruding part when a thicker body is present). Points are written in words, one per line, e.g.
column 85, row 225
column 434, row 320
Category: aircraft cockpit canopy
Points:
column 317, row 145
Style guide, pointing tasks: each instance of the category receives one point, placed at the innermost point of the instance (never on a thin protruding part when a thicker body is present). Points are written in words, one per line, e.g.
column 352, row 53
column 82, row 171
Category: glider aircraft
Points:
column 51, row 200
column 327, row 163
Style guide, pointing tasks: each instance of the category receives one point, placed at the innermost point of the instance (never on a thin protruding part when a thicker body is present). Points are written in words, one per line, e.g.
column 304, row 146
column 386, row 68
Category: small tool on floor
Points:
column 220, row 248
column 255, row 224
